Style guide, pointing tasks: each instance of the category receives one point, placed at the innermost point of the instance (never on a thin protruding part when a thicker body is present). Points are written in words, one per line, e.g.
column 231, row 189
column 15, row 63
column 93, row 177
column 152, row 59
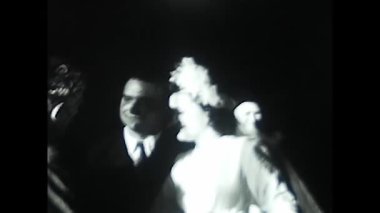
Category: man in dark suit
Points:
column 126, row 171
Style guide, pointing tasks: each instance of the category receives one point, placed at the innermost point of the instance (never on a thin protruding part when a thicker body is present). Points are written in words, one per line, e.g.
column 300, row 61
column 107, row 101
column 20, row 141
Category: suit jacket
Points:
column 111, row 183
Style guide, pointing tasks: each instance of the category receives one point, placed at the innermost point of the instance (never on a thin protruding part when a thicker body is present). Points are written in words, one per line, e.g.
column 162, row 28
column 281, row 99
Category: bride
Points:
column 222, row 173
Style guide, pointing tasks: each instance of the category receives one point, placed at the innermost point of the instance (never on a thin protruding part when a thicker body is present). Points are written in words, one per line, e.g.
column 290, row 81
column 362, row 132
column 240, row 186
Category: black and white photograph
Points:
column 189, row 106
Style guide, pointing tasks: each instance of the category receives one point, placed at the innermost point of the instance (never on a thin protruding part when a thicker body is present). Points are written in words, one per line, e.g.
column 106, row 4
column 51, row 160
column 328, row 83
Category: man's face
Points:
column 142, row 107
column 247, row 114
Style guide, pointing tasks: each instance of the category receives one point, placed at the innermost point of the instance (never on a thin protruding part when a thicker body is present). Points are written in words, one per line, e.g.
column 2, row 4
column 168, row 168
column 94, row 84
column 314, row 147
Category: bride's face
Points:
column 192, row 117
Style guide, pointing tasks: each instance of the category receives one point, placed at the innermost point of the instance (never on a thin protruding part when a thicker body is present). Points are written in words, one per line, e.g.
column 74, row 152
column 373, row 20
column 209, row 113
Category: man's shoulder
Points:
column 105, row 145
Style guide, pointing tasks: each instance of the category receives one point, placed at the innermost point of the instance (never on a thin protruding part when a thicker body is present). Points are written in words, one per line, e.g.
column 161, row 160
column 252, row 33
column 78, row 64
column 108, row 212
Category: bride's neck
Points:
column 207, row 136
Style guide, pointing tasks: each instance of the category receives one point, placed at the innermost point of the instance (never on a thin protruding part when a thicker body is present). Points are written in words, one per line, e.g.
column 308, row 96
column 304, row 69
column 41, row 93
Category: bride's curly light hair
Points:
column 194, row 80
column 195, row 86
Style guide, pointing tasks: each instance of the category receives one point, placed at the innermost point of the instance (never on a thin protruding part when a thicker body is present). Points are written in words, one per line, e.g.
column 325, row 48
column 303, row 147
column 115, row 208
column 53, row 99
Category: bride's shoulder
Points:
column 241, row 140
column 237, row 143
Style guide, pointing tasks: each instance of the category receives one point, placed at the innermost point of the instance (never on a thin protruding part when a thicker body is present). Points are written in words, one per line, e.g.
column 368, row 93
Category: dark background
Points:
column 278, row 50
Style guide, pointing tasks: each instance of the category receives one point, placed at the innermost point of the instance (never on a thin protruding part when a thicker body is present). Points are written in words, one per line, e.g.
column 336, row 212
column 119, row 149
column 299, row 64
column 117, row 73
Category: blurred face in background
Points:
column 247, row 114
column 142, row 107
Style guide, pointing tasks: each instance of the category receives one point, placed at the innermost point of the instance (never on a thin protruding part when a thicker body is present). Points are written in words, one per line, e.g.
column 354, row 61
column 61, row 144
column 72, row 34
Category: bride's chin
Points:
column 183, row 137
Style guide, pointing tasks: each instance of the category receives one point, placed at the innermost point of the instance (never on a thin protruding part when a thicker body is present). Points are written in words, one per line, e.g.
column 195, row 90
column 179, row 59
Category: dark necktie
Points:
column 143, row 156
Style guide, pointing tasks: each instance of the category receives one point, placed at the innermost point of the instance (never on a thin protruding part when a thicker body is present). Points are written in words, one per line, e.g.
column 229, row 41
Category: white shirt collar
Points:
column 131, row 141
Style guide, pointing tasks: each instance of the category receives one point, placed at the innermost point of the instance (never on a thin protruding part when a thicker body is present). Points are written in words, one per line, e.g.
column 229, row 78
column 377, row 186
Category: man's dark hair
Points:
column 153, row 69
column 152, row 72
